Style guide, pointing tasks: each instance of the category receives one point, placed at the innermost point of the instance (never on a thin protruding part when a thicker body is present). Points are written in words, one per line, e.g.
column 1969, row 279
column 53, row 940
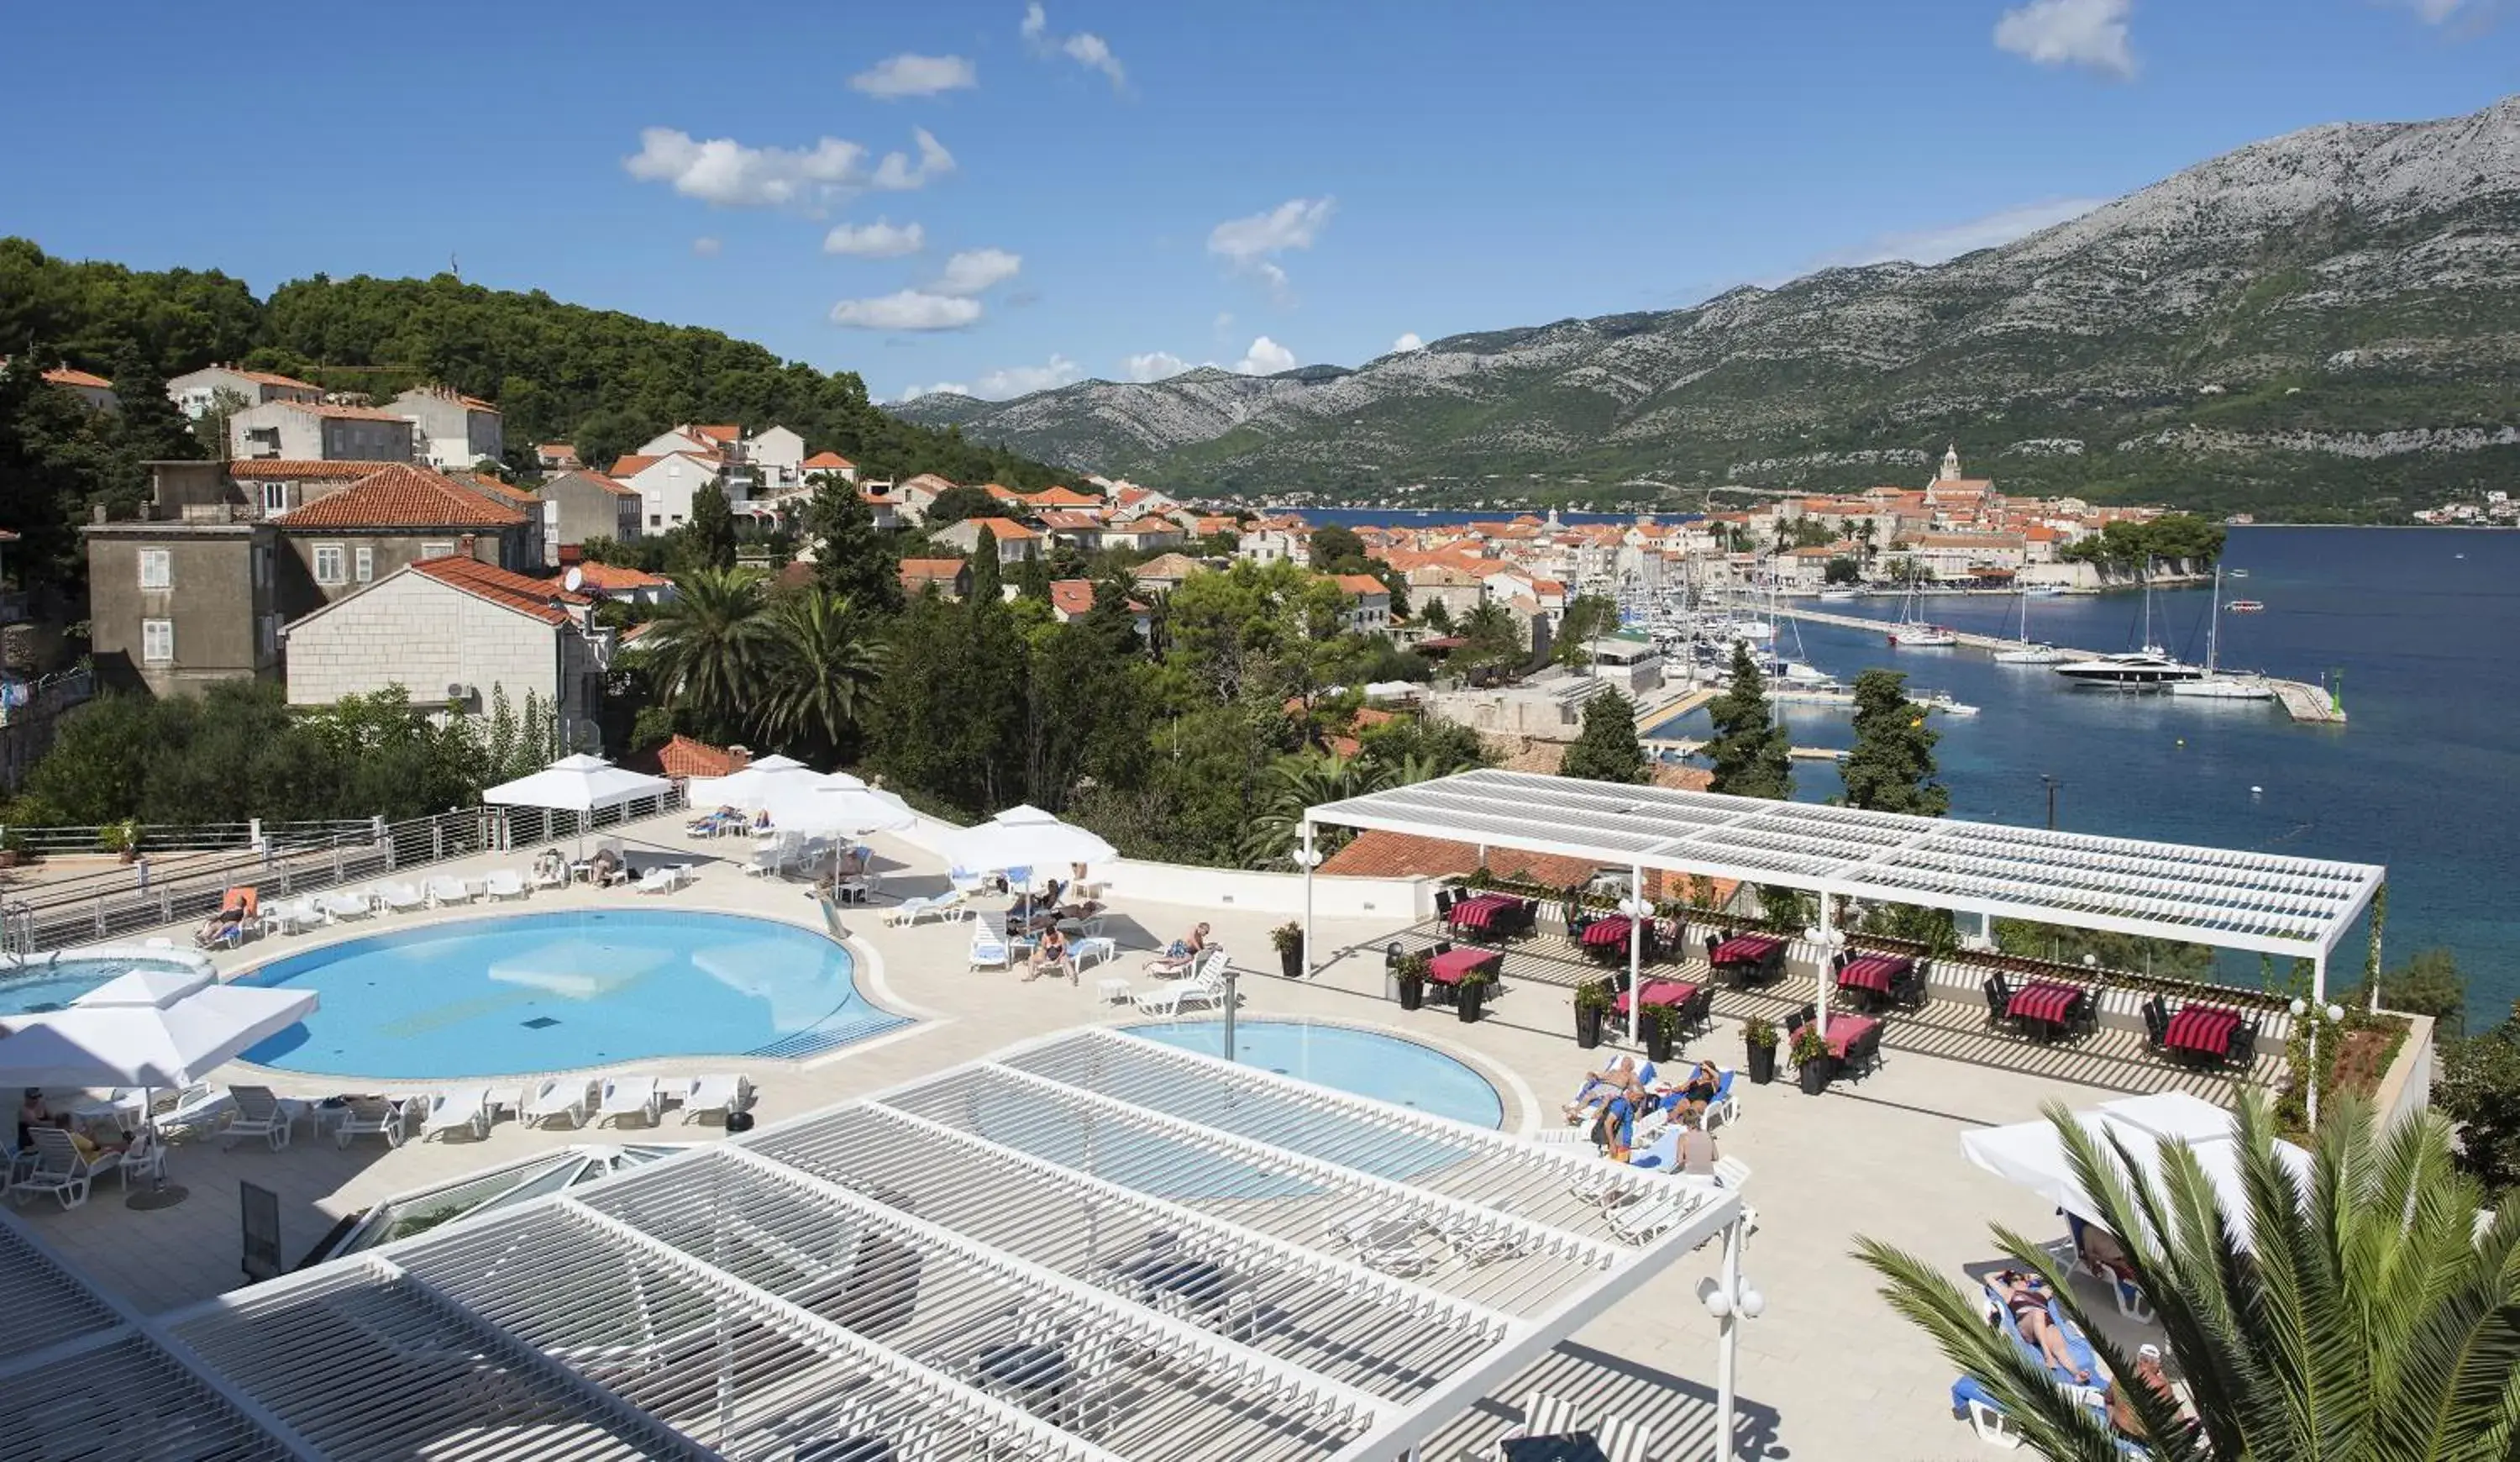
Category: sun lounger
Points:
column 1543, row 1415
column 630, row 1096
column 1654, row 1211
column 198, row 1106
column 340, row 907
column 504, row 883
column 663, row 880
column 2077, row 1346
column 2122, row 1288
column 402, row 898
column 259, row 1114
column 558, row 1096
column 1173, row 999
column 550, row 869
column 989, row 947
column 293, row 915
column 1625, row 1441
column 948, row 905
column 463, row 1109
column 718, row 1093
column 445, row 889
column 1178, row 966
column 370, row 1117
column 60, row 1169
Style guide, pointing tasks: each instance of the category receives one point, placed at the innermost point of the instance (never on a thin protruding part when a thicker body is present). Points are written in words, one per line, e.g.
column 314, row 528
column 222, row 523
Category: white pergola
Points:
column 1090, row 1247
column 2233, row 899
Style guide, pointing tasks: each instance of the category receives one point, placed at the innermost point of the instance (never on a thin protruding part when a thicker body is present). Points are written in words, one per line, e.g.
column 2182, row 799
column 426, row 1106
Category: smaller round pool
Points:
column 1368, row 1063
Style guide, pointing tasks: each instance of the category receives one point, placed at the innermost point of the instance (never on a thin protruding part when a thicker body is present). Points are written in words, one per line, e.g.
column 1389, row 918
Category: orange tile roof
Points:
column 403, row 497
column 617, row 489
column 535, row 597
column 614, row 578
column 295, row 469
column 1071, row 596
column 631, row 465
column 1070, row 521
column 717, row 433
column 72, row 375
column 1063, row 497
column 683, row 756
column 926, row 568
column 827, row 461
column 557, row 448
column 271, row 378
column 1003, row 528
column 1360, row 583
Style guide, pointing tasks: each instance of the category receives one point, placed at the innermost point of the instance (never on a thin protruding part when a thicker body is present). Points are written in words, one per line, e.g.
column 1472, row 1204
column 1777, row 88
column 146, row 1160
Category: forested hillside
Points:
column 602, row 379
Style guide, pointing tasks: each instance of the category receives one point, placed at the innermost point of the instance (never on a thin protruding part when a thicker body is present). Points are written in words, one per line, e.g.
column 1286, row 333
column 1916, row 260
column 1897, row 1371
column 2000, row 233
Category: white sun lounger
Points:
column 1654, row 1211
column 1543, row 1415
column 402, row 898
column 338, row 907
column 60, row 1169
column 664, row 879
column 505, row 883
column 571, row 1097
column 259, row 1114
column 445, row 889
column 989, row 947
column 717, row 1092
column 466, row 1109
column 630, row 1096
column 370, row 1117
column 948, row 906
column 291, row 914
column 1206, row 989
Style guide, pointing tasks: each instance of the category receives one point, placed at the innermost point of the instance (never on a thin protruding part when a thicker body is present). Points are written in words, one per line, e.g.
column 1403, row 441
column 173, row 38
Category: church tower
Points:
column 1950, row 471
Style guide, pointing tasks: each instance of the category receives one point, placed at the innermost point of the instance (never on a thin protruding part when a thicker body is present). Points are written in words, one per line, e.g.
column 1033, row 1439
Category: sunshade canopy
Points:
column 836, row 804
column 151, row 985
column 577, row 784
column 1024, row 837
column 2033, row 1155
column 754, row 784
column 147, row 1045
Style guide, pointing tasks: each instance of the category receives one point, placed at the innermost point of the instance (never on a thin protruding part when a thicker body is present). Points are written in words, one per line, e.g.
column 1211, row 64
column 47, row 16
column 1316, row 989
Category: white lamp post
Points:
column 2318, row 1016
column 1731, row 1300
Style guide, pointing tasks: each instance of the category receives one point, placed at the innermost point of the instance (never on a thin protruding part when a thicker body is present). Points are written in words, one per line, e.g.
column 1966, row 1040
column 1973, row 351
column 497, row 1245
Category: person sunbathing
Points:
column 724, row 818
column 2026, row 1296
column 2149, row 1374
column 222, row 924
column 1049, row 957
column 1181, row 954
column 1602, row 1086
column 1698, row 1093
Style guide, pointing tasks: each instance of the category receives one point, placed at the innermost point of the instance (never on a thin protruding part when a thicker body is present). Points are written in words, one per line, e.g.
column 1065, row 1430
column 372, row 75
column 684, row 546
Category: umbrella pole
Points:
column 157, row 1194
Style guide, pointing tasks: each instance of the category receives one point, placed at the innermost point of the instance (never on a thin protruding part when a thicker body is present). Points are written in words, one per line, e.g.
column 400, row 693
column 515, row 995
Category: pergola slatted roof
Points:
column 2228, row 897
column 960, row 1267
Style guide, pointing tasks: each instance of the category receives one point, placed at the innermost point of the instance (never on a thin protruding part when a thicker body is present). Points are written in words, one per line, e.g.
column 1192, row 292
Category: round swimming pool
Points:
column 1368, row 1063
column 49, row 982
column 538, row 992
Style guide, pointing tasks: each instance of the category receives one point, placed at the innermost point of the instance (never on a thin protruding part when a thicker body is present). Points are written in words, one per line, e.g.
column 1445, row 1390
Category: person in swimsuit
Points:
column 2027, row 1299
column 2149, row 1374
column 1599, row 1087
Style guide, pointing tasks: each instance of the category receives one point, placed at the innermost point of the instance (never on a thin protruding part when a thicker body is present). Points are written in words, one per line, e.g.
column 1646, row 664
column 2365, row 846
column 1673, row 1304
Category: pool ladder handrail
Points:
column 18, row 928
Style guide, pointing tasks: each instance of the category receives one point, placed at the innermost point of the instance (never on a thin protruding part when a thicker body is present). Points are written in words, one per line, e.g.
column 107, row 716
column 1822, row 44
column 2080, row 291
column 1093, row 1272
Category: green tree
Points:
column 709, row 646
column 1841, row 570
column 1493, row 639
column 1032, row 580
column 1606, row 749
column 1089, row 713
column 712, row 528
column 2368, row 1320
column 1891, row 767
column 2104, row 950
column 2479, row 1090
column 2428, row 985
column 947, row 716
column 1588, row 617
column 821, row 668
column 1337, row 549
column 956, row 503
column 853, row 559
column 1438, row 617
column 1294, row 784
column 988, row 576
column 1752, row 753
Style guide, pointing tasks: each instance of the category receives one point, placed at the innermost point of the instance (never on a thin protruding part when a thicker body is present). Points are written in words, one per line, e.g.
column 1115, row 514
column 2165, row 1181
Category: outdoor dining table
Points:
column 1481, row 912
column 1660, row 992
column 2205, row 1030
column 1453, row 965
column 1611, row 929
column 1566, row 1446
column 1844, row 1031
column 1871, row 975
column 2047, row 1003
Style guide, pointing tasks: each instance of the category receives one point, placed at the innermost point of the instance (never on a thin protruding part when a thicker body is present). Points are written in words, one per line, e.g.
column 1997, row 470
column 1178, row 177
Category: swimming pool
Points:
column 538, row 992
column 1368, row 1063
column 47, row 983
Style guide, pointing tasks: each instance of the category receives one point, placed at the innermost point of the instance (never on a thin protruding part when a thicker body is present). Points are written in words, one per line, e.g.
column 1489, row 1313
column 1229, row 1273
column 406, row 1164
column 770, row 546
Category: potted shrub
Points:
column 1290, row 939
column 12, row 847
column 1412, row 981
column 1473, row 992
column 1661, row 1033
column 121, row 838
column 1759, row 1035
column 1812, row 1060
column 1593, row 1004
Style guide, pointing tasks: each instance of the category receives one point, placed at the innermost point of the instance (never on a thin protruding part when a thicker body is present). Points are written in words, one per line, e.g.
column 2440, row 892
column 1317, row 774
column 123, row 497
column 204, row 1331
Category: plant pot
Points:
column 130, row 855
column 1816, row 1075
column 1413, row 993
column 1290, row 962
column 10, row 857
column 1763, row 1064
column 1588, row 1028
column 1658, row 1043
column 1466, row 1004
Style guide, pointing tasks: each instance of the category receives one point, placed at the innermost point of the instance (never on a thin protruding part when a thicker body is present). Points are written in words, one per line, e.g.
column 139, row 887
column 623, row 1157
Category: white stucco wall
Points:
column 413, row 632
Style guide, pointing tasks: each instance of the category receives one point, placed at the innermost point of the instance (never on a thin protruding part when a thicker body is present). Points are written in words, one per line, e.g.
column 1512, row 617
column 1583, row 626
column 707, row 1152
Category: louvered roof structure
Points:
column 1090, row 1248
column 2229, row 898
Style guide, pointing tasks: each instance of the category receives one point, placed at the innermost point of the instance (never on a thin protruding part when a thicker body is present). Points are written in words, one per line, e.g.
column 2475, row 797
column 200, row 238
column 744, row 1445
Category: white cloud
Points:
column 1266, row 357
column 1023, row 381
column 706, row 246
column 911, row 76
column 1933, row 246
column 976, row 269
column 1247, row 244
column 732, row 175
column 2090, row 33
column 940, row 389
column 1406, row 343
column 898, row 173
column 1224, row 322
column 1085, row 48
column 1156, row 365
column 2439, row 12
column 880, row 240
column 907, row 310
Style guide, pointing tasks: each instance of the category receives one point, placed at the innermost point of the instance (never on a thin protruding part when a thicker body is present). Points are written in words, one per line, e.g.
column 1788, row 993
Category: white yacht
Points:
column 1914, row 633
column 2150, row 665
column 2213, row 685
column 2029, row 652
column 1942, row 700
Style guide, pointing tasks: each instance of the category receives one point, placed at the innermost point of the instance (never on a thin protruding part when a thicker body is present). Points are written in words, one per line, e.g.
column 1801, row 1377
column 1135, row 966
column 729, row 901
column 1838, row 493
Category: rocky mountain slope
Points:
column 2324, row 324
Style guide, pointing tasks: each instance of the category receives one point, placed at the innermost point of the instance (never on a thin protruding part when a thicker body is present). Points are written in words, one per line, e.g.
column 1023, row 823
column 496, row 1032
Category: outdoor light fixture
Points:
column 1743, row 1300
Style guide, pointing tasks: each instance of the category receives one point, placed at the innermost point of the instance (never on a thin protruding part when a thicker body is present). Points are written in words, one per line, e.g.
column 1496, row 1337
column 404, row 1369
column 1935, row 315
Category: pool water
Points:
column 43, row 983
column 1367, row 1063
column 539, row 993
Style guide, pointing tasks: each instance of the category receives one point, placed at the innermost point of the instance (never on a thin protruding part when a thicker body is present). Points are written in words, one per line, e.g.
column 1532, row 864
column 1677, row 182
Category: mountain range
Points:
column 2321, row 325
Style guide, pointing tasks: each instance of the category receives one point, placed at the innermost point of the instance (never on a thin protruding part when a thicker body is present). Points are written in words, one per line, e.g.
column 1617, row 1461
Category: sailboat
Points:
column 2215, row 686
column 2029, row 652
column 2147, row 668
column 1914, row 633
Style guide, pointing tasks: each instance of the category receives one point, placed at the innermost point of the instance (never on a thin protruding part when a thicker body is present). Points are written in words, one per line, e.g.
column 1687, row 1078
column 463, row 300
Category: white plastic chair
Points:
column 445, row 889
column 556, row 1097
column 630, row 1096
column 505, row 883
column 719, row 1092
column 463, row 1110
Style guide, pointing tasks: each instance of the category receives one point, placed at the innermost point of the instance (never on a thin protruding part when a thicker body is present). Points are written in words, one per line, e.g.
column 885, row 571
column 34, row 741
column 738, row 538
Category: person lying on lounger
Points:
column 2027, row 1298
column 2149, row 1374
column 1181, row 954
column 1602, row 1086
column 1693, row 1096
column 223, row 925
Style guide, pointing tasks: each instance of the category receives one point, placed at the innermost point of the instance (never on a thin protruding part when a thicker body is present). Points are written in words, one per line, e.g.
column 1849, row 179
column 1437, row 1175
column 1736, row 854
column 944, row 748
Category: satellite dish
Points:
column 574, row 579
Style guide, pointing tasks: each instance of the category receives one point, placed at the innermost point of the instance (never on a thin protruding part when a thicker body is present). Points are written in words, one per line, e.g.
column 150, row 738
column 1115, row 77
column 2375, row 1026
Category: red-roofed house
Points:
column 1065, row 497
column 666, row 481
column 87, row 386
column 1015, row 542
column 1369, row 608
column 614, row 581
column 557, row 456
column 833, row 463
column 1066, row 525
column 683, row 758
column 911, row 499
column 197, row 393
column 455, row 431
column 578, row 506
column 1072, row 599
column 454, row 633
column 1143, row 534
column 950, row 577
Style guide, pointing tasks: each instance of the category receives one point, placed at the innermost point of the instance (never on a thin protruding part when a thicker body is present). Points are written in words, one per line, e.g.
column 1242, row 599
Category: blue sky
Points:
column 1108, row 189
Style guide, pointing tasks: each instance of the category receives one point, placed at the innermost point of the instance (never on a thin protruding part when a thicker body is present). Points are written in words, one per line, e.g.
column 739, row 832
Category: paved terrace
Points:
column 1827, row 1372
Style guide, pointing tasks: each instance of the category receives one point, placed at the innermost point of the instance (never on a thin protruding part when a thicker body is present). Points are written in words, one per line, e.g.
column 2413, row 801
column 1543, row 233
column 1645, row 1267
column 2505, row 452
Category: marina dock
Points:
column 1678, row 746
column 2305, row 703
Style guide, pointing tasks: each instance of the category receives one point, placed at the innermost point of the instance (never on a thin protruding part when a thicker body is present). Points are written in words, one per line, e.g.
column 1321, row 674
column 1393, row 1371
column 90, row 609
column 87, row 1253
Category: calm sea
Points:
column 1431, row 517
column 2421, row 628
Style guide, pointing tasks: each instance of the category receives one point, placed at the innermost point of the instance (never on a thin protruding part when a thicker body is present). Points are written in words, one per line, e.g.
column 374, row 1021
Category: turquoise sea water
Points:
column 542, row 992
column 2420, row 627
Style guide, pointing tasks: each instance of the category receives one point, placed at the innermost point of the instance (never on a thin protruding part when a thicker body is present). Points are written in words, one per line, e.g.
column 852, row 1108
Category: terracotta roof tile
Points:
column 272, row 377
column 631, row 465
column 1071, row 596
column 403, row 497
column 926, row 569
column 612, row 577
column 683, row 756
column 1005, row 529
column 1359, row 584
column 487, row 581
column 72, row 375
column 293, row 468
column 827, row 461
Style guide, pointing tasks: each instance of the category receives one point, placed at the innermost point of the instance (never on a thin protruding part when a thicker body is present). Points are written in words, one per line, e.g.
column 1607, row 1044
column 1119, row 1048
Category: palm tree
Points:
column 821, row 665
column 2369, row 1319
column 1293, row 783
column 711, row 644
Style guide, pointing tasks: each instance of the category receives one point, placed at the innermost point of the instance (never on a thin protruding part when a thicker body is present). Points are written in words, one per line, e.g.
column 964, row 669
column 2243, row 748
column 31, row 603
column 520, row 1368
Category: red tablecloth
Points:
column 1610, row 931
column 1872, row 972
column 2201, row 1028
column 1746, row 948
column 1843, row 1031
column 1661, row 992
column 2042, row 1002
column 1449, row 967
column 1479, row 912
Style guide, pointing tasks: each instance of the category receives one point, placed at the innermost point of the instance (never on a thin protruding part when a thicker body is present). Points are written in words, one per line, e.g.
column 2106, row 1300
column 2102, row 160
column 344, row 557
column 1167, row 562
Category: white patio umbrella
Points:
column 579, row 784
column 159, row 1040
column 752, row 784
column 156, row 984
column 837, row 803
column 1024, row 837
column 2032, row 1155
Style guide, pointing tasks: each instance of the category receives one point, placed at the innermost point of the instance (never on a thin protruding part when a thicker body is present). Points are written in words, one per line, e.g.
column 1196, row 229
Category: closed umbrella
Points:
column 159, row 1041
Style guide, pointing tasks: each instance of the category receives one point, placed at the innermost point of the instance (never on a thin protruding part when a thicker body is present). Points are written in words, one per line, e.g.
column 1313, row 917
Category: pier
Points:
column 2305, row 703
column 1677, row 746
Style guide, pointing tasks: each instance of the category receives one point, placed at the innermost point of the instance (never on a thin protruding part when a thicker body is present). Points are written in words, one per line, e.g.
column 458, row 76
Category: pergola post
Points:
column 1727, row 1340
column 1636, row 952
column 1309, row 858
column 2316, row 1016
column 1827, row 942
